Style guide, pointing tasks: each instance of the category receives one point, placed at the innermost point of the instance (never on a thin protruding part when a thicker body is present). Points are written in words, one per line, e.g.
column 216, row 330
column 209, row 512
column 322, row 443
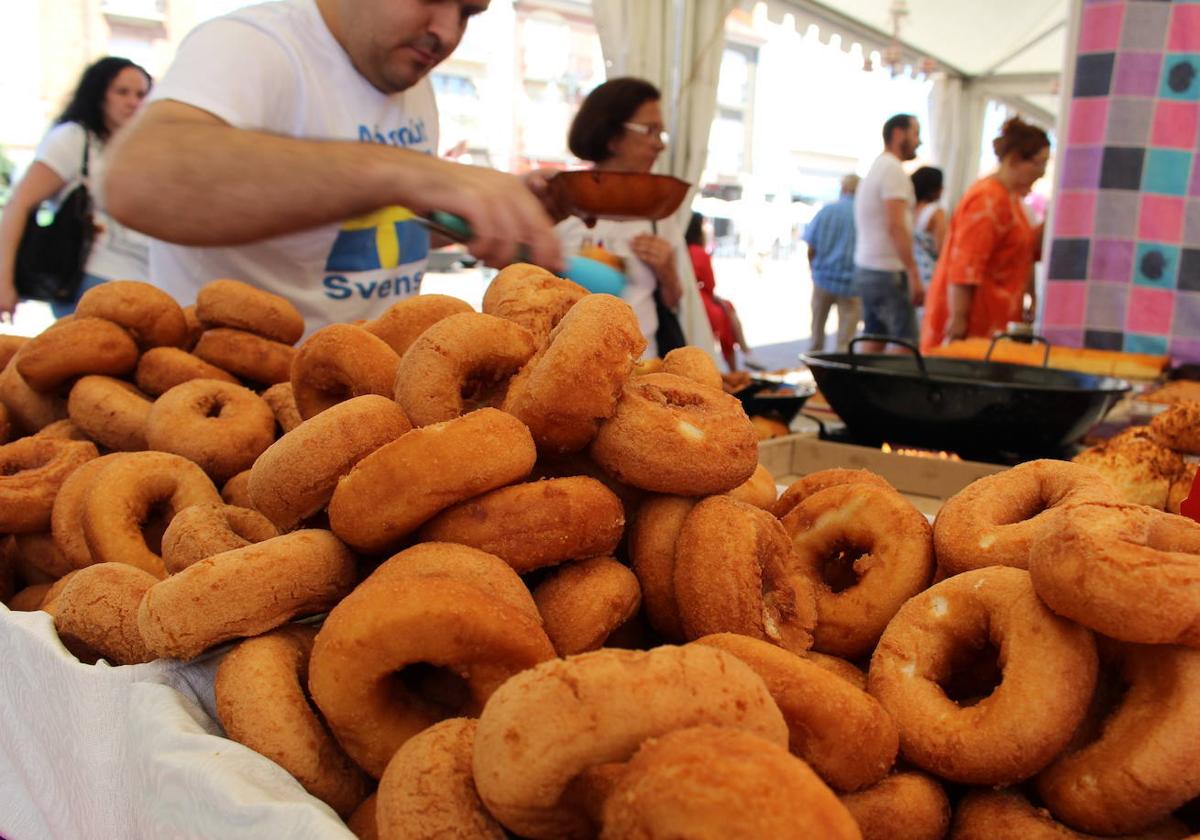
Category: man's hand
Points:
column 538, row 183
column 916, row 290
column 654, row 251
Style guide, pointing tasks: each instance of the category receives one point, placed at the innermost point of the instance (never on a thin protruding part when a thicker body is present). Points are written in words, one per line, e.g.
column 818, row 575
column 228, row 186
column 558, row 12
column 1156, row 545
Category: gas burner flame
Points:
column 913, row 452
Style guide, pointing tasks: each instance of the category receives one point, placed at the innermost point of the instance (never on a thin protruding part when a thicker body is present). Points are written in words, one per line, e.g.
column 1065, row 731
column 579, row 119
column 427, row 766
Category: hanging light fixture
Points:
column 893, row 54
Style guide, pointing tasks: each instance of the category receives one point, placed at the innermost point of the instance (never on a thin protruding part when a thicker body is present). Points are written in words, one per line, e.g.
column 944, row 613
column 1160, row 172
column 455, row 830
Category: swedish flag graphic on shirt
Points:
column 385, row 239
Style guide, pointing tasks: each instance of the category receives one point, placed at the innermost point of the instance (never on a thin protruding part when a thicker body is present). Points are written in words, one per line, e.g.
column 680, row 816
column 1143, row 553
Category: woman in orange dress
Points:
column 987, row 263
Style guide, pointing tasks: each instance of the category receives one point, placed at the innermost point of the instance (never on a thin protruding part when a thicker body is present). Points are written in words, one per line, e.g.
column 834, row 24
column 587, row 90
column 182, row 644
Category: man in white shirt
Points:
column 885, row 270
column 291, row 144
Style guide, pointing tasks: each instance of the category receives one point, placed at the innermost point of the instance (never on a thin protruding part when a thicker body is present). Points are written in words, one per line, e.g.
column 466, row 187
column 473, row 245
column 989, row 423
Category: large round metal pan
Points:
column 973, row 408
column 595, row 194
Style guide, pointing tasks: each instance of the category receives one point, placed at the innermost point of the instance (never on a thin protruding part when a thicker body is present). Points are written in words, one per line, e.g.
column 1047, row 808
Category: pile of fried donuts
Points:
column 482, row 574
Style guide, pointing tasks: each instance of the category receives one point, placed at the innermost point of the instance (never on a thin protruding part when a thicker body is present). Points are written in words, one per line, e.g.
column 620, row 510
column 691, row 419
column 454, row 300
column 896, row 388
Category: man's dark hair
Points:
column 901, row 122
column 927, row 183
column 603, row 115
column 87, row 102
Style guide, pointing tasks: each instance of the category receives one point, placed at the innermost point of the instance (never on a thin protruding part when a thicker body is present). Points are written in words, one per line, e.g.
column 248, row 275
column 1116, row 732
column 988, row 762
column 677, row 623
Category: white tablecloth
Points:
column 96, row 751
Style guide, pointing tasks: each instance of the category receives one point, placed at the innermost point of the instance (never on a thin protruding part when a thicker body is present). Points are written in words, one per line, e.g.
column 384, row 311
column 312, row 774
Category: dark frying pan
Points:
column 596, row 194
column 974, row 408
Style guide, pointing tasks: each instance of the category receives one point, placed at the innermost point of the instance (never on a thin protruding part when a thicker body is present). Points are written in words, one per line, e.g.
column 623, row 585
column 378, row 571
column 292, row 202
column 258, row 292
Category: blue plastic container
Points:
column 595, row 276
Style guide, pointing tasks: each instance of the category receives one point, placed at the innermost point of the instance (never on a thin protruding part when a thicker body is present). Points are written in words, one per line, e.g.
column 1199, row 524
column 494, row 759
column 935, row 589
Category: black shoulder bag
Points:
column 51, row 258
column 670, row 334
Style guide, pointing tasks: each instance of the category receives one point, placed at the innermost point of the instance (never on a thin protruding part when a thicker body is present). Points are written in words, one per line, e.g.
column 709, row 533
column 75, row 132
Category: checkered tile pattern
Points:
column 1124, row 269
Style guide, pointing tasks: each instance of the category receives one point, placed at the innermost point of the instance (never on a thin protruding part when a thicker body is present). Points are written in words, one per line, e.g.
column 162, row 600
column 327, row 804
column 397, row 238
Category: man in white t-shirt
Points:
column 291, row 144
column 885, row 270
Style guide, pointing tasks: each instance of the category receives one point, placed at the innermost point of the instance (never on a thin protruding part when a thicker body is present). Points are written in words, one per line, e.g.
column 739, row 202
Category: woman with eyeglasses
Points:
column 619, row 128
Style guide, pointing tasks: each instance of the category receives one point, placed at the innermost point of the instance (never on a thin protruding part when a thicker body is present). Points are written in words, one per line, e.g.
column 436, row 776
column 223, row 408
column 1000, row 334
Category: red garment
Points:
column 706, row 282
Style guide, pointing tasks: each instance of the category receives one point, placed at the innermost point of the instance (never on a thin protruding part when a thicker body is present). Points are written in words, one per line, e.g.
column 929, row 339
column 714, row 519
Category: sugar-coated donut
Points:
column 245, row 592
column 9, row 345
column 222, row 427
column 162, row 368
column 865, row 550
column 28, row 599
column 339, row 362
column 283, row 403
column 28, row 410
column 993, row 521
column 484, row 571
column 903, row 806
column 1008, row 815
column 758, row 490
column 150, row 315
column 96, row 613
column 414, row 620
column 362, row 821
column 232, row 303
column 405, row 320
column 201, row 531
column 815, row 482
column 1179, row 427
column 573, row 384
column 134, row 495
column 32, row 470
column 460, row 363
column 1136, row 464
column 583, row 603
column 398, row 487
column 246, row 355
column 693, row 363
column 38, row 559
column 261, row 702
column 652, row 538
column 296, row 476
column 841, row 731
column 1142, row 760
column 66, row 516
column 535, row 524
column 718, row 782
column 77, row 348
column 602, row 705
column 1047, row 672
column 532, row 297
column 110, row 411
column 428, row 790
column 735, row 573
column 1127, row 571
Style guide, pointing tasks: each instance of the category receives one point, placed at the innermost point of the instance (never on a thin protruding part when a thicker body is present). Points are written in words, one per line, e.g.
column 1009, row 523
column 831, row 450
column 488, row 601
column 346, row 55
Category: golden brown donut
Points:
column 61, row 430
column 1181, row 487
column 603, row 705
column 240, row 306
column 31, row 472
column 28, row 410
column 1136, row 464
column 428, row 791
column 110, row 411
column 236, row 491
column 532, row 297
column 194, row 327
column 162, row 368
column 283, row 403
column 150, row 315
column 1127, row 571
column 246, row 355
column 903, row 806
column 694, row 364
column 261, row 702
column 397, row 488
column 815, row 482
column 735, row 572
column 583, row 603
column 578, row 463
column 96, row 613
column 201, row 531
column 66, row 516
column 1047, row 673
column 652, row 538
column 839, row 667
column 670, row 435
column 841, row 731
column 994, row 521
column 295, row 478
column 865, row 550
column 245, row 592
column 462, row 362
column 340, row 362
column 38, row 559
column 409, row 623
column 9, row 345
column 484, row 571
column 8, row 568
column 1179, row 427
column 535, row 524
column 29, row 599
column 717, row 783
column 132, row 498
column 50, row 602
column 568, row 388
column 7, row 431
column 77, row 348
column 1007, row 815
column 758, row 490
column 405, row 320
column 362, row 822
column 222, row 427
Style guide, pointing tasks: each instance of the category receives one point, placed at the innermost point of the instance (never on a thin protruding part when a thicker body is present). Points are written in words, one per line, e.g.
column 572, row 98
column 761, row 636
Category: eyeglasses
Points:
column 649, row 131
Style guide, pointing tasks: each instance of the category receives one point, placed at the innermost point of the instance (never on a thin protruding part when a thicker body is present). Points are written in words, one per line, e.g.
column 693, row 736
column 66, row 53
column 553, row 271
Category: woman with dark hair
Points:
column 107, row 95
column 722, row 317
column 929, row 220
column 619, row 128
column 986, row 268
